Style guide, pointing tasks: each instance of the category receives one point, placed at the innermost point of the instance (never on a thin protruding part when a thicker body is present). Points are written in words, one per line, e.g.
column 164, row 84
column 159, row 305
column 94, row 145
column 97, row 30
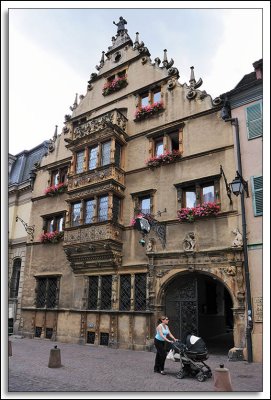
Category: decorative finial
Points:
column 55, row 134
column 165, row 61
column 75, row 104
column 193, row 85
column 137, row 39
column 121, row 25
column 192, row 76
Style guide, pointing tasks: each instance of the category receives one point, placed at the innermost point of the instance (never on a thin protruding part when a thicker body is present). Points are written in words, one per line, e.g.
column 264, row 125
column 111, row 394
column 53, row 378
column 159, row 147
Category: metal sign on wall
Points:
column 258, row 309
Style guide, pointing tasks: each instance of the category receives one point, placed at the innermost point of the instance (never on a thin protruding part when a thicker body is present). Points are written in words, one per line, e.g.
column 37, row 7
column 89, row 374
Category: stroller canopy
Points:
column 195, row 344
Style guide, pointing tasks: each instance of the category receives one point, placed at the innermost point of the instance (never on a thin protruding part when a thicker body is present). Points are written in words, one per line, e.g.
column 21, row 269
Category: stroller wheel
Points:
column 181, row 375
column 201, row 377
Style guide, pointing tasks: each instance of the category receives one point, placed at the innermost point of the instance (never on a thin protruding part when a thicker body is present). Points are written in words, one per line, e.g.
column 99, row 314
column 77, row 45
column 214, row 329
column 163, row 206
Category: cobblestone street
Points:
column 88, row 368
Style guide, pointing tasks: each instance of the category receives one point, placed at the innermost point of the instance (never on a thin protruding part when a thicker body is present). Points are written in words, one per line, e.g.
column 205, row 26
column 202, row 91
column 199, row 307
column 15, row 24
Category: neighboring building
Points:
column 21, row 179
column 138, row 142
column 245, row 102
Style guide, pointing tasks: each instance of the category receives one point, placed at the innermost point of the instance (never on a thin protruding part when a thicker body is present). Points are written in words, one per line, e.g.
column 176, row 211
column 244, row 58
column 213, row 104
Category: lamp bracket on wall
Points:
column 228, row 189
column 28, row 228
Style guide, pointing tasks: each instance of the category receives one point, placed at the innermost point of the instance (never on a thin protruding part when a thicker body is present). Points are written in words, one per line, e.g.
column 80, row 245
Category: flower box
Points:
column 200, row 211
column 114, row 85
column 55, row 189
column 147, row 111
column 165, row 158
column 51, row 237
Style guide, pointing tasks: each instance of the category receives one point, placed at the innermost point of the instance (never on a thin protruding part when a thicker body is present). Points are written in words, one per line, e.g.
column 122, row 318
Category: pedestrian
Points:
column 160, row 342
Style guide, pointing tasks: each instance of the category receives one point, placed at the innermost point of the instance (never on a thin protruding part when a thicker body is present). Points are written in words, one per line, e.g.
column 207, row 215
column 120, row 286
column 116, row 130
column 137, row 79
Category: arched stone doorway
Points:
column 200, row 304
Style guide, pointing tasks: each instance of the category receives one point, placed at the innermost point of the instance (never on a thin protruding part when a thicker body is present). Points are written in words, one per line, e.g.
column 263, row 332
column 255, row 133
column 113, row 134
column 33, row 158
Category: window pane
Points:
column 116, row 208
column 92, row 157
column 145, row 204
column 144, row 100
column 140, row 292
column 103, row 208
column 106, row 292
column 79, row 162
column 190, row 199
column 93, row 292
column 125, row 292
column 51, row 292
column 89, row 211
column 208, row 194
column 15, row 278
column 117, row 154
column 159, row 149
column 50, row 225
column 75, row 214
column 106, row 153
column 55, row 178
column 63, row 175
column 41, row 292
column 156, row 97
column 59, row 224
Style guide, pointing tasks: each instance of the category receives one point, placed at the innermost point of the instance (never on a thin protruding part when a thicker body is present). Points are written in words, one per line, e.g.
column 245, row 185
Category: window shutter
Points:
column 257, row 193
column 254, row 120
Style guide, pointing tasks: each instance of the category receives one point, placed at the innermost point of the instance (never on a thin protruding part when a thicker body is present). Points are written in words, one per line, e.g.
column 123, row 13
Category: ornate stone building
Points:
column 139, row 143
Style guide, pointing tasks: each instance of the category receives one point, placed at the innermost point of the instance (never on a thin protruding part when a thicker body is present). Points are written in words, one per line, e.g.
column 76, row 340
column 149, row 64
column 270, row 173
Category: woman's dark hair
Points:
column 161, row 319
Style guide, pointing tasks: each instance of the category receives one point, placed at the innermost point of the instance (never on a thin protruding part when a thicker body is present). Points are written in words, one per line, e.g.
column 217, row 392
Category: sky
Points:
column 52, row 52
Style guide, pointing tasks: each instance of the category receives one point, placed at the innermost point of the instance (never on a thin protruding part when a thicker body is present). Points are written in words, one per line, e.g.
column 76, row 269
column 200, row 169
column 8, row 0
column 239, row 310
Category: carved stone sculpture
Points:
column 238, row 240
column 189, row 242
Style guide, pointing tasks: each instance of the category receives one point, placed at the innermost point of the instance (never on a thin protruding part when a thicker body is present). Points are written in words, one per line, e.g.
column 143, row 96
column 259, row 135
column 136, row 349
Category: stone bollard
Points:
column 9, row 348
column 55, row 359
column 222, row 379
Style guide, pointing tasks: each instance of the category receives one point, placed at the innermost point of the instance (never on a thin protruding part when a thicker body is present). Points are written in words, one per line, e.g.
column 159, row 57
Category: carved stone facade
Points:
column 109, row 288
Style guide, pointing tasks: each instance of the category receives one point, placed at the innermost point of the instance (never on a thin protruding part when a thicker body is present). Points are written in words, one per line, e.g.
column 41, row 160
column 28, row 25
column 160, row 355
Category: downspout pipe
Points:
column 249, row 327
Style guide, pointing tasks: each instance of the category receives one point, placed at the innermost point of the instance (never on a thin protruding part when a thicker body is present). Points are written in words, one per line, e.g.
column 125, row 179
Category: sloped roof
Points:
column 24, row 163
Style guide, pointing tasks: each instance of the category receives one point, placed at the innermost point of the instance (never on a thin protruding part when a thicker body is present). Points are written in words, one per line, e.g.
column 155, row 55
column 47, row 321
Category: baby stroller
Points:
column 192, row 355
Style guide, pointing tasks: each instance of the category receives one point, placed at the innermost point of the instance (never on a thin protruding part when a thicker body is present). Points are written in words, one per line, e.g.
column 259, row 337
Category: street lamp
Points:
column 239, row 185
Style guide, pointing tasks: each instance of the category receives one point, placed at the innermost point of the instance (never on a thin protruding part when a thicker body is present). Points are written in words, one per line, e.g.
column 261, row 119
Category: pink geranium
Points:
column 55, row 189
column 201, row 210
column 148, row 110
column 51, row 237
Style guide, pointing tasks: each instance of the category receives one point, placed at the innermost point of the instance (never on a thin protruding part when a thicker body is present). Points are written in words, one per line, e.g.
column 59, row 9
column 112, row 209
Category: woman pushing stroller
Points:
column 160, row 341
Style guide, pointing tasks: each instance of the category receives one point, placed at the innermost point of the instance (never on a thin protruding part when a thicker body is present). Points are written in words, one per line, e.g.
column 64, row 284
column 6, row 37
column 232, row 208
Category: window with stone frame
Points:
column 99, row 155
column 96, row 209
column 143, row 202
column 54, row 222
column 47, row 291
column 100, row 292
column 15, row 278
column 167, row 141
column 120, row 74
column 149, row 97
column 196, row 192
column 59, row 176
column 136, row 289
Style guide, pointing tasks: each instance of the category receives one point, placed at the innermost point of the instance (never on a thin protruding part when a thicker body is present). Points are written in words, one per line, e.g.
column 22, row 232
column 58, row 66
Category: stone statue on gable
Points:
column 121, row 25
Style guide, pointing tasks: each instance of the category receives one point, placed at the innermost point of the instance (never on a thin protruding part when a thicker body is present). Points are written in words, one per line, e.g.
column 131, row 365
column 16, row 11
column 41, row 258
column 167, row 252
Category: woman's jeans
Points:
column 161, row 355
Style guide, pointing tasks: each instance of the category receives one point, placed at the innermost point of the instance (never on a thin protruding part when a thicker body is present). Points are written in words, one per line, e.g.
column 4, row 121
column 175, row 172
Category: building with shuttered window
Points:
column 246, row 103
column 138, row 146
